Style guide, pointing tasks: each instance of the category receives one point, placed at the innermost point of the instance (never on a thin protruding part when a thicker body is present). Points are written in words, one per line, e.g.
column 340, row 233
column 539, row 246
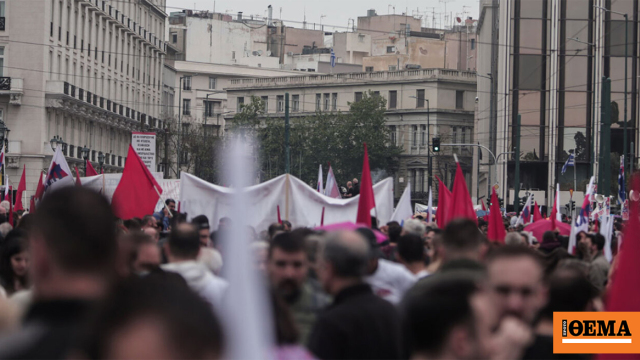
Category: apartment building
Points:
column 421, row 104
column 88, row 72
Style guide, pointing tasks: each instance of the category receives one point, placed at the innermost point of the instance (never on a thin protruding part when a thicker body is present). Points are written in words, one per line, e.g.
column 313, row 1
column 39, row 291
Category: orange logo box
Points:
column 596, row 332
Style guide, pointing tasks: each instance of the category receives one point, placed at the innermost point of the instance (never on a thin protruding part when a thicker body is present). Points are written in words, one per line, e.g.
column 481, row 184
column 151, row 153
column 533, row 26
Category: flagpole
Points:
column 575, row 178
column 158, row 192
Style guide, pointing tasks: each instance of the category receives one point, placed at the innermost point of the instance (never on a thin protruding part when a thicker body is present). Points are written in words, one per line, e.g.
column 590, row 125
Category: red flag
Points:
column 623, row 292
column 10, row 206
column 444, row 200
column 78, row 181
column 554, row 212
column 32, row 205
column 495, row 231
column 39, row 189
column 536, row 212
column 90, row 170
column 322, row 217
column 367, row 200
column 138, row 192
column 22, row 186
column 279, row 218
column 461, row 205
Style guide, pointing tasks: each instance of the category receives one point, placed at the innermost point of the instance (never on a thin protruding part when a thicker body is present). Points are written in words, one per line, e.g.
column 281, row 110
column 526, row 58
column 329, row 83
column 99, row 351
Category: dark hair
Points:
column 553, row 258
column 287, row 332
column 514, row 251
column 394, row 232
column 184, row 241
column 393, row 223
column 599, row 241
column 482, row 223
column 411, row 248
column 177, row 218
column 434, row 307
column 548, row 237
column 26, row 222
column 132, row 224
column 370, row 237
column 436, row 231
column 569, row 290
column 79, row 230
column 169, row 201
column 274, row 228
column 192, row 329
column 462, row 234
column 147, row 218
column 463, row 264
column 287, row 242
column 286, row 223
column 13, row 244
column 201, row 222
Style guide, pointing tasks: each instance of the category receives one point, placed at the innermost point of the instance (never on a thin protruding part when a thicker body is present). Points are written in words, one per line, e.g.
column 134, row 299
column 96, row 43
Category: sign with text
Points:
column 596, row 332
column 145, row 145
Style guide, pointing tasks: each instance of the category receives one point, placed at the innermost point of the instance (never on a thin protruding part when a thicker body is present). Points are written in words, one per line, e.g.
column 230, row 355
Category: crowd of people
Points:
column 79, row 283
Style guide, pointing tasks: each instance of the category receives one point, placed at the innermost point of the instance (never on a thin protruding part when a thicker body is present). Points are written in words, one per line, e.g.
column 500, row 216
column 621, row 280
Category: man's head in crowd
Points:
column 288, row 265
column 171, row 204
column 183, row 244
column 513, row 238
column 148, row 221
column 462, row 239
column 394, row 231
column 287, row 225
column 410, row 249
column 483, row 226
column 444, row 318
column 343, row 261
column 73, row 245
column 594, row 243
column 274, row 229
column 146, row 252
column 349, row 184
column 569, row 290
column 201, row 222
column 515, row 281
column 414, row 227
column 154, row 317
column 153, row 233
column 224, row 223
column 355, row 181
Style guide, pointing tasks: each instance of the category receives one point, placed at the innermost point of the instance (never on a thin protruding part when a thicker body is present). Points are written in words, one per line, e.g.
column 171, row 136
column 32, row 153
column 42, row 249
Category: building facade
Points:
column 420, row 104
column 88, row 72
column 546, row 66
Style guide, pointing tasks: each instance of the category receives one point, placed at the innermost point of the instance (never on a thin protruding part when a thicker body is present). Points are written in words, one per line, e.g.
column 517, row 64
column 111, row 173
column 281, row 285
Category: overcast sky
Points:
column 337, row 12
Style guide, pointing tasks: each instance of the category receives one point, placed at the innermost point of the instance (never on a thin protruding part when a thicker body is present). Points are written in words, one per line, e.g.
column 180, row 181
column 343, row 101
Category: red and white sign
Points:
column 145, row 145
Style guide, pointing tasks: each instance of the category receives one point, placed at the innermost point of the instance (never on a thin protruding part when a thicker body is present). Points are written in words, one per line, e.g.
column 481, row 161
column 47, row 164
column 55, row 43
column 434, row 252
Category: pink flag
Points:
column 331, row 189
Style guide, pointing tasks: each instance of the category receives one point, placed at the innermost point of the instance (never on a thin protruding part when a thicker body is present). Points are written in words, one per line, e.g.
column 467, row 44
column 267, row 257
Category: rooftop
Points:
column 355, row 78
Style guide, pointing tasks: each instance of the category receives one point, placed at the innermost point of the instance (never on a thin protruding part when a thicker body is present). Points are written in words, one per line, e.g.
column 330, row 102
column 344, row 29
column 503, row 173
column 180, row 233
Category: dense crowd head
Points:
column 87, row 284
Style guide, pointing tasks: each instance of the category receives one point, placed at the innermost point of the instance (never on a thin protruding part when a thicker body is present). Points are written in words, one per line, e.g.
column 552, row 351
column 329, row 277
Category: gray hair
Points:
column 348, row 253
column 415, row 227
column 5, row 228
column 513, row 238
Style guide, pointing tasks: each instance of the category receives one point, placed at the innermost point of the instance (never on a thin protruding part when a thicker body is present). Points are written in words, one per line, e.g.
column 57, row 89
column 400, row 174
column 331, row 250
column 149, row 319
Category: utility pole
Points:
column 287, row 130
column 604, row 166
column 516, row 176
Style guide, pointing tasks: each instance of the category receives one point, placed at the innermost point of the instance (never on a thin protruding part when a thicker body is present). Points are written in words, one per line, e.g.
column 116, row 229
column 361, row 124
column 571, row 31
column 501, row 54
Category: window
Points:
column 454, row 134
column 295, row 102
column 265, row 102
column 358, row 96
column 334, row 101
column 174, row 38
column 393, row 99
column 376, row 93
column 327, row 101
column 392, row 130
column 212, row 83
column 209, row 108
column 393, row 67
column 459, row 99
column 240, row 104
column 233, row 55
column 420, row 98
column 414, row 135
column 368, row 69
column 318, row 102
column 186, row 83
column 423, row 135
column 186, row 106
column 391, row 49
column 473, row 44
column 462, row 136
column 2, row 14
column 280, row 103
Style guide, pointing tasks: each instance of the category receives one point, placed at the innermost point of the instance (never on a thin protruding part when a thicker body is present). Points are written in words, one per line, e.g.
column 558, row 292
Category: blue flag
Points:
column 333, row 58
column 622, row 194
column 570, row 162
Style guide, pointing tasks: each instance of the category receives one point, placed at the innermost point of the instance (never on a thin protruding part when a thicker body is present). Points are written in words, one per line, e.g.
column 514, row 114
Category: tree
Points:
column 324, row 137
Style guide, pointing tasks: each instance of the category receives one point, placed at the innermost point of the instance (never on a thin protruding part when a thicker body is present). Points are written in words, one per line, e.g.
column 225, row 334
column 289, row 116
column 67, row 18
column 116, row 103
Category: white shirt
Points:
column 421, row 274
column 391, row 281
column 200, row 280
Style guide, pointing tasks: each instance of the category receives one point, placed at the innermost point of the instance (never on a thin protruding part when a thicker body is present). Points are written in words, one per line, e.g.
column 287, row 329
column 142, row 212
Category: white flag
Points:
column 606, row 228
column 59, row 174
column 558, row 213
column 331, row 189
column 430, row 207
column 572, row 236
column 320, row 178
column 403, row 210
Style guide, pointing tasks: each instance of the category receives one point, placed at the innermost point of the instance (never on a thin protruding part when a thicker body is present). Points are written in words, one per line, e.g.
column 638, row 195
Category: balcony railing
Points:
column 2, row 23
column 5, row 83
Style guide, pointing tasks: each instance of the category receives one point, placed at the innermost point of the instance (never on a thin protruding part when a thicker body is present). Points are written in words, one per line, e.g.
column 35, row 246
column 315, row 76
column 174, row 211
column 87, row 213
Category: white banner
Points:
column 145, row 145
column 107, row 186
column 298, row 202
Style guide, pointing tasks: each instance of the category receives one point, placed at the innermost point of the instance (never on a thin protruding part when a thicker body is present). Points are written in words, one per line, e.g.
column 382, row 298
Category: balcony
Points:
column 2, row 23
column 12, row 87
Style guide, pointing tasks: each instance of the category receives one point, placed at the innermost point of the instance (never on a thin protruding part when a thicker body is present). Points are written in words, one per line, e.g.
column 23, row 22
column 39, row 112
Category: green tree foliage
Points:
column 324, row 137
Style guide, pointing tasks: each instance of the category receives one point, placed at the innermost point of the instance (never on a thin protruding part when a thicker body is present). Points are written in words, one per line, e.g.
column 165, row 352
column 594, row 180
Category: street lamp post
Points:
column 4, row 140
column 85, row 156
column 100, row 160
column 626, row 81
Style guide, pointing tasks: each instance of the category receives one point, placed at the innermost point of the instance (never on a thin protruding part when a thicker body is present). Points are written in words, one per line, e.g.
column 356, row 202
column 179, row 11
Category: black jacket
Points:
column 49, row 330
column 358, row 325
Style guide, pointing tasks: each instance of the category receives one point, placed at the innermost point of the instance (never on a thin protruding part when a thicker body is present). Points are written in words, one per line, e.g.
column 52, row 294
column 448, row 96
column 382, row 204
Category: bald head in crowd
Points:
column 343, row 261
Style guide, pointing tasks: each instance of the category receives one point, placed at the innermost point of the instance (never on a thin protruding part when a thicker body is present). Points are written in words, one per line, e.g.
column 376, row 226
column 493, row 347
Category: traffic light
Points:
column 436, row 144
